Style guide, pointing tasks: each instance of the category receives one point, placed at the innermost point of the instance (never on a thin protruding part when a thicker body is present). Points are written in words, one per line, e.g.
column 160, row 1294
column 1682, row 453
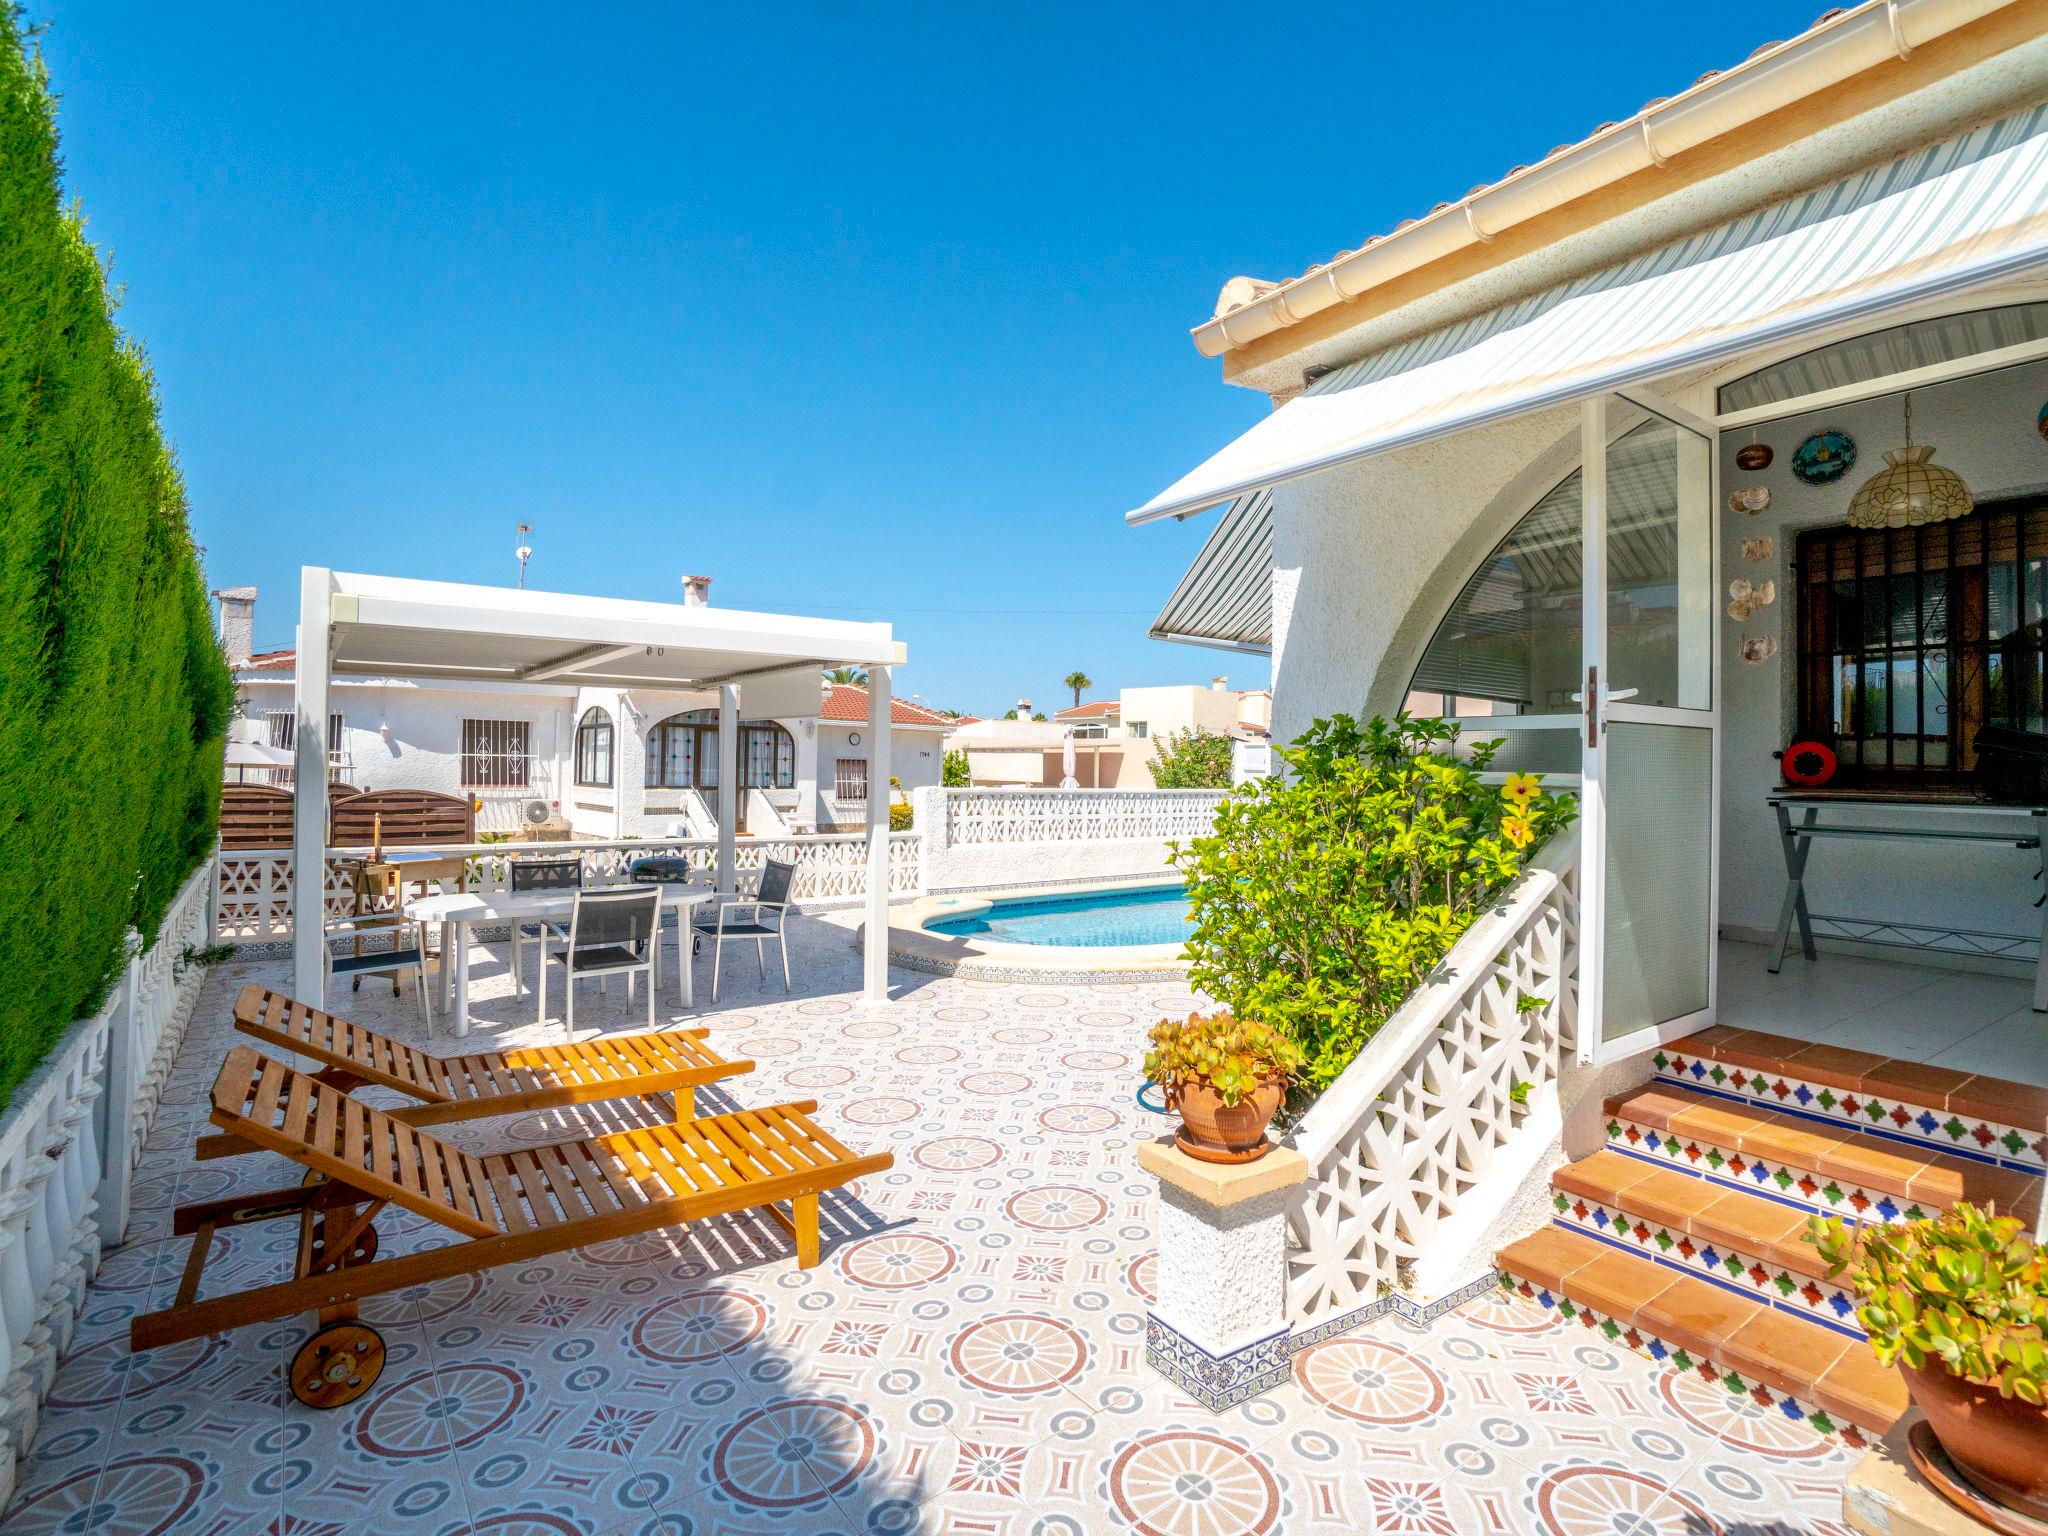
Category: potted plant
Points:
column 1960, row 1302
column 1225, row 1078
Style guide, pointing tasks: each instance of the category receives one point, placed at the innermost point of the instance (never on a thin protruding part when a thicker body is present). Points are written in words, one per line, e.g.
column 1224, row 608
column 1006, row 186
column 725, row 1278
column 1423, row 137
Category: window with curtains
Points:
column 767, row 756
column 594, row 749
column 496, row 754
column 1911, row 639
column 682, row 753
column 850, row 779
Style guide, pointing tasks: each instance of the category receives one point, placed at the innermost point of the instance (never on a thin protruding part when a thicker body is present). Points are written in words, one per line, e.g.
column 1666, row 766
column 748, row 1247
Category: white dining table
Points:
column 459, row 912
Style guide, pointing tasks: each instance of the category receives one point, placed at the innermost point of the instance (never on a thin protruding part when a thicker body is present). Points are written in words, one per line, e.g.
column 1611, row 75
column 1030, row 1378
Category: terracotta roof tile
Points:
column 849, row 702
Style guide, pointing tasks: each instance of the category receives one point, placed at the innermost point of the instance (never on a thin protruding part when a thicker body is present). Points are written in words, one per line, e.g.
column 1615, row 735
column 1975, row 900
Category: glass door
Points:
column 1649, row 798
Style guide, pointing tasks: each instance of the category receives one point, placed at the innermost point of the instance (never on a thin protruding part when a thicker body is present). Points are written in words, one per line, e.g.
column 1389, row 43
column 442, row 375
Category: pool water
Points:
column 1158, row 915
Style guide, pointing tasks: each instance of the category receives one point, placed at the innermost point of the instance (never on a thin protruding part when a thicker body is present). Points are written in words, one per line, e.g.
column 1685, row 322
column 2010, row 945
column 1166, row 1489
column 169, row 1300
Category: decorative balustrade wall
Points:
column 1400, row 1141
column 254, row 899
column 69, row 1142
column 980, row 816
column 982, row 838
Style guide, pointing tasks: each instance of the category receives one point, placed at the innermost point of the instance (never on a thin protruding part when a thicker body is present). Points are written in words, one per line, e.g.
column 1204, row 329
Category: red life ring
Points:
column 1808, row 764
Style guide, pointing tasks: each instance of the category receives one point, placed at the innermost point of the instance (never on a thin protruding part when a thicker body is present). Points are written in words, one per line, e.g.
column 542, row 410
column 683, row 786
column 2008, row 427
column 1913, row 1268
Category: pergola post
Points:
column 728, row 787
column 309, row 789
column 875, row 953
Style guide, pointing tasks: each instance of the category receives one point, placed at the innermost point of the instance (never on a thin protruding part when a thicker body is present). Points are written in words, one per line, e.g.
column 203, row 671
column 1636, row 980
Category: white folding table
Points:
column 459, row 912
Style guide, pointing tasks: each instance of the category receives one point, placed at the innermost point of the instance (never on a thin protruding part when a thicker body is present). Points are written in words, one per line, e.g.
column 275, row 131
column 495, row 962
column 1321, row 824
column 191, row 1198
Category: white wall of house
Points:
column 407, row 734
column 916, row 757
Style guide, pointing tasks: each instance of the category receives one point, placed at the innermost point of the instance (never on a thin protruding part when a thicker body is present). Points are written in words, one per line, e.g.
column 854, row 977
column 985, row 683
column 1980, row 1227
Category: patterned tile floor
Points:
column 968, row 1358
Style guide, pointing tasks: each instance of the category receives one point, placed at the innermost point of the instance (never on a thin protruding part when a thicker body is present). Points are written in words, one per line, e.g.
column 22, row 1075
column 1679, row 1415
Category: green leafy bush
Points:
column 1231, row 1055
column 114, row 698
column 953, row 770
column 1967, row 1291
column 1325, row 894
column 1192, row 759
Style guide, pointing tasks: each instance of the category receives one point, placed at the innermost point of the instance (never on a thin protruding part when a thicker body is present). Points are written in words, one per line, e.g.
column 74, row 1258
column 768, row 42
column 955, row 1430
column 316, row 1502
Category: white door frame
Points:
column 1598, row 709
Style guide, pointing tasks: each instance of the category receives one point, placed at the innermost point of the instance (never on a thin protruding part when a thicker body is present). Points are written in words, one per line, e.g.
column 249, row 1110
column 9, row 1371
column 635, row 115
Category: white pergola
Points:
column 387, row 626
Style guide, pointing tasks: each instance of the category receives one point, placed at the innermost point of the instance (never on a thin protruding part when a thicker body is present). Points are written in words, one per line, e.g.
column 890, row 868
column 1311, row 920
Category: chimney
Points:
column 237, row 623
column 1219, row 683
column 696, row 591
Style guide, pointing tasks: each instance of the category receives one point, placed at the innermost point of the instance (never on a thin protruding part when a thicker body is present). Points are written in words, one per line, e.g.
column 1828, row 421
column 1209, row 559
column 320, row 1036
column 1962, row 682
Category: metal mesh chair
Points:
column 611, row 933
column 539, row 875
column 407, row 951
column 748, row 918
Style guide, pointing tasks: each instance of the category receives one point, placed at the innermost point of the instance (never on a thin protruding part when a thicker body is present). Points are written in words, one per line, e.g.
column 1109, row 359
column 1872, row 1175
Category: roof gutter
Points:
column 1828, row 54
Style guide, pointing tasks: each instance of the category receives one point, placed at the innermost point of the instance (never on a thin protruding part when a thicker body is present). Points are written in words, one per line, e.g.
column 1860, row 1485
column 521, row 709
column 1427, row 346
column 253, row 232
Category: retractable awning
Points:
column 1969, row 211
column 1226, row 598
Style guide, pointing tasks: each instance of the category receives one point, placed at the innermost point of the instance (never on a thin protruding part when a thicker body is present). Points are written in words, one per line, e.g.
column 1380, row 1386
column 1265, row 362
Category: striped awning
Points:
column 1226, row 598
column 1944, row 219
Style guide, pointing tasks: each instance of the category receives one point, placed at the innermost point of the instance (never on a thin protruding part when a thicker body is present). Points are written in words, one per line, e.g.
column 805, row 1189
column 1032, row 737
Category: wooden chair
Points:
column 538, row 1077
column 745, row 917
column 504, row 1209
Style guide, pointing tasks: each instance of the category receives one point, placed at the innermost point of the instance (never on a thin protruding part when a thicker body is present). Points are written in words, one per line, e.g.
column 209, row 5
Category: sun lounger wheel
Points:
column 337, row 1365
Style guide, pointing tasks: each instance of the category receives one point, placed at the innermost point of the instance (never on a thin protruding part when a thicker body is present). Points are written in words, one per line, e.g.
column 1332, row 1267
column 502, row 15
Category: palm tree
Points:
column 1077, row 681
column 858, row 676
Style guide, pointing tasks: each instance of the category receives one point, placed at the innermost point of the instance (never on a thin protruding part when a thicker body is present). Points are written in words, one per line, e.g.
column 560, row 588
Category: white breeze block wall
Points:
column 981, row 838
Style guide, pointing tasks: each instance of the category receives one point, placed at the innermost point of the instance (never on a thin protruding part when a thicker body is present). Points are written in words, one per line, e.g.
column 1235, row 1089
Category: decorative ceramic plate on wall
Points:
column 1824, row 457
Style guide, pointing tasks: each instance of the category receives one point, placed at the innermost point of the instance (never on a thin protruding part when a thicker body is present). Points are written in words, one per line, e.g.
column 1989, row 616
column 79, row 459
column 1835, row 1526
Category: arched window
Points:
column 1511, row 642
column 682, row 753
column 594, row 749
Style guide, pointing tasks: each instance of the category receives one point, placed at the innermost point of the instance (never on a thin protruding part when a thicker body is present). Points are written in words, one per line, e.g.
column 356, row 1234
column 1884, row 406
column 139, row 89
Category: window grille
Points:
column 496, row 755
column 850, row 779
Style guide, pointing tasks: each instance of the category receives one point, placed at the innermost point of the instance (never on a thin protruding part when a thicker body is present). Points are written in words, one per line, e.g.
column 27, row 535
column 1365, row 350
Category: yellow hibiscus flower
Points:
column 1520, row 787
column 1516, row 829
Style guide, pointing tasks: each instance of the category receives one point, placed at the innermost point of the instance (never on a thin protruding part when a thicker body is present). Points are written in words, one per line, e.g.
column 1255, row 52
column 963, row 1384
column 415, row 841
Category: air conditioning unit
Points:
column 541, row 824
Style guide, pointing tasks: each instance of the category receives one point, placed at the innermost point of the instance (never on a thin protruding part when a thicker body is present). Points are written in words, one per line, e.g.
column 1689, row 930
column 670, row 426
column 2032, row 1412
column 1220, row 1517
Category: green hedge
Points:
column 114, row 698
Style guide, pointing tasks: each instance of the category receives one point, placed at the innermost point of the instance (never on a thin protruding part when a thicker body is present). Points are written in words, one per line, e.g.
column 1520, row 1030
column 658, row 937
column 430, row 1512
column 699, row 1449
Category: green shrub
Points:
column 114, row 699
column 1194, row 759
column 1326, row 894
column 953, row 770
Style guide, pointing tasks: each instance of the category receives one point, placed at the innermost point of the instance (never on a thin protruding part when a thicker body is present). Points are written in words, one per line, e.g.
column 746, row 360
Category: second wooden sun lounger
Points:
column 516, row 1081
column 503, row 1209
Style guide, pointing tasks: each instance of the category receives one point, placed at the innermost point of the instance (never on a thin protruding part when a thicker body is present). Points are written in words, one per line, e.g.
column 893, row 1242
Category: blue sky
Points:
column 877, row 312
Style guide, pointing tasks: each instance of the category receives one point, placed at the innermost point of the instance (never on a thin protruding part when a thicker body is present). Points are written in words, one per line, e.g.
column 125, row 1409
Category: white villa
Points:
column 1114, row 739
column 598, row 762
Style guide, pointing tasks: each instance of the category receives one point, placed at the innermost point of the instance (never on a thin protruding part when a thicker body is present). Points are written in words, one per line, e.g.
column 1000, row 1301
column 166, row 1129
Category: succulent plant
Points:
column 1967, row 1289
column 1232, row 1055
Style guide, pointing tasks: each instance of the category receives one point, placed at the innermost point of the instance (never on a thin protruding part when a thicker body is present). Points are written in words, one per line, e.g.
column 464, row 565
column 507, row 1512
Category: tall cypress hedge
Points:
column 114, row 697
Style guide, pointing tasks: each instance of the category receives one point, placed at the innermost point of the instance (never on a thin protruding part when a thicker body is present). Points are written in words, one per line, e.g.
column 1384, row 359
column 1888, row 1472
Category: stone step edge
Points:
column 1676, row 1357
column 1920, row 1127
column 1726, row 1168
column 1736, row 1269
column 1944, row 1093
column 1928, row 1176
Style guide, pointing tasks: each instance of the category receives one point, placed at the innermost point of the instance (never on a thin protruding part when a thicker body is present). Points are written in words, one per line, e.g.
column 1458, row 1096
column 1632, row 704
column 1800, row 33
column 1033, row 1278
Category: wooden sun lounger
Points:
column 506, row 1208
column 508, row 1082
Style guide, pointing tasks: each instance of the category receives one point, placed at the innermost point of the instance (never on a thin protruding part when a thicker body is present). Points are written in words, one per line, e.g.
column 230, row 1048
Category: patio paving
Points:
column 968, row 1358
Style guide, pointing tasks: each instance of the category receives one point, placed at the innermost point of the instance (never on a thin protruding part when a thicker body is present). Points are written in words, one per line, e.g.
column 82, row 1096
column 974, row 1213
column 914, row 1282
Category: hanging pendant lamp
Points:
column 1910, row 489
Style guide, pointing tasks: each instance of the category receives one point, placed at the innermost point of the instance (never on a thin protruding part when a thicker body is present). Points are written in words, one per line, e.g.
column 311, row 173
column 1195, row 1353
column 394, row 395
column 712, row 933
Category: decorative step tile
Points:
column 1775, row 1285
column 1726, row 1168
column 1979, row 1118
column 1797, row 1410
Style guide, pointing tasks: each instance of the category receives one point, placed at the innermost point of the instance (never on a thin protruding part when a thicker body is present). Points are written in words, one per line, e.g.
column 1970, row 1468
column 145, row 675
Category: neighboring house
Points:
column 604, row 762
column 1114, row 739
column 1504, row 443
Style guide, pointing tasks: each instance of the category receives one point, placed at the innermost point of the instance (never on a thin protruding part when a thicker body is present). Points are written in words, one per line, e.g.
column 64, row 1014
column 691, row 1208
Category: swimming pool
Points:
column 1093, row 919
column 1131, row 930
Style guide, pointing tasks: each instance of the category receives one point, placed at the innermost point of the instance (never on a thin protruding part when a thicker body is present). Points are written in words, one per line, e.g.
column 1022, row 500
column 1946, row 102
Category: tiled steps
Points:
column 1686, row 1237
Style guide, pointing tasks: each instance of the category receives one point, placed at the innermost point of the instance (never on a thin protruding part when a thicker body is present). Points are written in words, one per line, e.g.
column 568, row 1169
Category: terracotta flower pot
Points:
column 2000, row 1444
column 1216, row 1132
